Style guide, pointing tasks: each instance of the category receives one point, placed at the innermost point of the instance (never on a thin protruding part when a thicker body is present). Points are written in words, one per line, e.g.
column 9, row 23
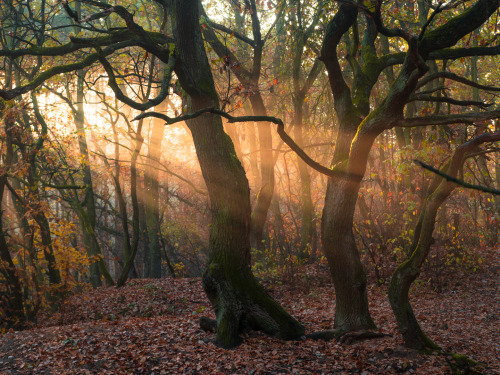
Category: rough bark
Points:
column 337, row 235
column 239, row 301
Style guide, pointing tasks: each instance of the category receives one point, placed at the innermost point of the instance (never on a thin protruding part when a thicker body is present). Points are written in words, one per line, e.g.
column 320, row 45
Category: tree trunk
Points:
column 133, row 244
column 408, row 271
column 306, row 203
column 93, row 251
column 152, row 191
column 239, row 301
column 266, row 191
column 348, row 275
column 14, row 296
column 497, row 197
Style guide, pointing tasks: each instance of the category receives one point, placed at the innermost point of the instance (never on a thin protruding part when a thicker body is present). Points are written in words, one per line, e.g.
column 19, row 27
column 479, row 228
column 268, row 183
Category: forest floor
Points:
column 152, row 327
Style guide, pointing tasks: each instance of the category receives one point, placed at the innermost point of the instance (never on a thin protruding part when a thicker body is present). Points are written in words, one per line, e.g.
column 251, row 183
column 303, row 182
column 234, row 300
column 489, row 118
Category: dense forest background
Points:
column 252, row 144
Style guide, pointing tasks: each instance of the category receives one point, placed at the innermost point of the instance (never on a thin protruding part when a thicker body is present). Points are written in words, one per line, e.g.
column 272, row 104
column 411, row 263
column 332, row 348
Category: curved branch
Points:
column 457, row 78
column 337, row 27
column 455, row 29
column 167, row 76
column 281, row 132
column 449, row 119
column 443, row 99
column 61, row 69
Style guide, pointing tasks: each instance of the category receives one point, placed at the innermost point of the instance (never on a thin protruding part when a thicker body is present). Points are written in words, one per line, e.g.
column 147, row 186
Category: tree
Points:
column 407, row 272
column 249, row 78
column 239, row 301
column 360, row 125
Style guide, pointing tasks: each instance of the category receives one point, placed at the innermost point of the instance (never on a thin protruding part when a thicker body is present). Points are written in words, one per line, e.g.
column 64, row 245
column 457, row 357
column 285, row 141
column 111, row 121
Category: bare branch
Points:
column 456, row 180
column 281, row 132
column 61, row 69
column 227, row 30
column 167, row 76
column 455, row 77
column 443, row 99
column 467, row 118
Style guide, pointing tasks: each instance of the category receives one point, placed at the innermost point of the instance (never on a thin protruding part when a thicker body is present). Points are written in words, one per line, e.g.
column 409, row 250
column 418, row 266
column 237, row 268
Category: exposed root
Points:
column 462, row 365
column 207, row 324
column 241, row 304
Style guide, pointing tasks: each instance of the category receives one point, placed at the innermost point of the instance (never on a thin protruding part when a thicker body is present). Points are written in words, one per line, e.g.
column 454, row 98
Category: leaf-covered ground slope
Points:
column 151, row 326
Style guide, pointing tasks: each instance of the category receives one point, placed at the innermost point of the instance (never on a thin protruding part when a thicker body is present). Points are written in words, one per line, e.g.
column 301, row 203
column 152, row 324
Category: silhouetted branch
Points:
column 455, row 77
column 484, row 189
column 444, row 99
column 281, row 132
column 229, row 31
column 467, row 118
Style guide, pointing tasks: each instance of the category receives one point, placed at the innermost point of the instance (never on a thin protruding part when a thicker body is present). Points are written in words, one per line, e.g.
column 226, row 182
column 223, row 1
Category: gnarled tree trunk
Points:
column 239, row 301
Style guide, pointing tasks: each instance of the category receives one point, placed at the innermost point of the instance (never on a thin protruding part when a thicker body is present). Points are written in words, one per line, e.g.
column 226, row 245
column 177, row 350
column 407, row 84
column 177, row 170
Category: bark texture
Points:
column 239, row 301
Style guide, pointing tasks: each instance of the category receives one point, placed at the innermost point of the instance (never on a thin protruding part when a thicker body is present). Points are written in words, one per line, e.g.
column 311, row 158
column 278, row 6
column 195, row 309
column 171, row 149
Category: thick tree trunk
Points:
column 340, row 249
column 239, row 301
column 404, row 276
column 408, row 271
column 250, row 81
column 348, row 275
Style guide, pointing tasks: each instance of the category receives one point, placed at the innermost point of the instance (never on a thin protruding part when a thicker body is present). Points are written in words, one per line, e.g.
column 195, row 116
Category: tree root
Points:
column 207, row 324
column 462, row 365
column 346, row 337
column 241, row 304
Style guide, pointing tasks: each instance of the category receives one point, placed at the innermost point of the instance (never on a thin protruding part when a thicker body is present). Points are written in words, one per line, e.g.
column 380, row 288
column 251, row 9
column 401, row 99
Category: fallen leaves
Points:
column 152, row 327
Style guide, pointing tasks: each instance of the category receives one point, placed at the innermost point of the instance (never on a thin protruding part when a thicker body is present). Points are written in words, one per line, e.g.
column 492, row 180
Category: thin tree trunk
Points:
column 152, row 191
column 14, row 296
column 408, row 271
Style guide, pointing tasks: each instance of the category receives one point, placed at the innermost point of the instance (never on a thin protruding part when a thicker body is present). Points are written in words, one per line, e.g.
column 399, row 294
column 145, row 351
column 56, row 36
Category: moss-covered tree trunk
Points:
column 239, row 301
column 408, row 271
column 406, row 274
